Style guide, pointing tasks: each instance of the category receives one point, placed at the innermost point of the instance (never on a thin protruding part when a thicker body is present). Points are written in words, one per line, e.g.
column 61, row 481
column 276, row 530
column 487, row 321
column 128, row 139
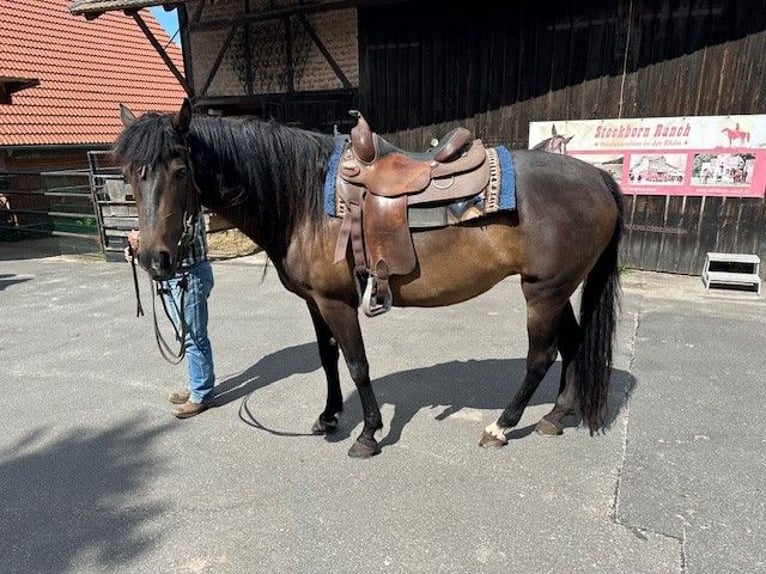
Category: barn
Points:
column 419, row 68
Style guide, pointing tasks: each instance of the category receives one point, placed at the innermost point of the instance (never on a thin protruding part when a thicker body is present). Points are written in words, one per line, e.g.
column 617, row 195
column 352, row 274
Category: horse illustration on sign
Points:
column 736, row 135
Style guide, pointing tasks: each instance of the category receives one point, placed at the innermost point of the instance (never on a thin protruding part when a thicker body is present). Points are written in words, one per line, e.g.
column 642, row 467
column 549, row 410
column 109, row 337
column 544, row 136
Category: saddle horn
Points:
column 361, row 138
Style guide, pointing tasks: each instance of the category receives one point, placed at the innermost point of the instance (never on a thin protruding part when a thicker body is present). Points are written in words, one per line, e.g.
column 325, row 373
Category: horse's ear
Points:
column 569, row 139
column 554, row 133
column 128, row 118
column 182, row 118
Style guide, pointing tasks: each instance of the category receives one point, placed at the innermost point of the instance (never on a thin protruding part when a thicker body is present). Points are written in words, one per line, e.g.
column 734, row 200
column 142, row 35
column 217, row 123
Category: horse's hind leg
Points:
column 328, row 354
column 543, row 314
column 568, row 336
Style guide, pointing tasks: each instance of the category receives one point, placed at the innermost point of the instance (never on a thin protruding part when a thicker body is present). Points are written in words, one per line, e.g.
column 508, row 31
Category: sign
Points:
column 699, row 155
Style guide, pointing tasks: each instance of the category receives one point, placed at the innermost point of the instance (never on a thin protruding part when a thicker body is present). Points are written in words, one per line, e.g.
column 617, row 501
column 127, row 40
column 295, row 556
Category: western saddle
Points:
column 376, row 185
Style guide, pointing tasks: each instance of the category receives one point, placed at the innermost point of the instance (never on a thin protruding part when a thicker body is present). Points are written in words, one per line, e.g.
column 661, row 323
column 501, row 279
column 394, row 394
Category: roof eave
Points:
column 94, row 8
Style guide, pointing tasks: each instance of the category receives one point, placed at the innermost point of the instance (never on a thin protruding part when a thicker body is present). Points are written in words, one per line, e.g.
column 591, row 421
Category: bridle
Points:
column 192, row 210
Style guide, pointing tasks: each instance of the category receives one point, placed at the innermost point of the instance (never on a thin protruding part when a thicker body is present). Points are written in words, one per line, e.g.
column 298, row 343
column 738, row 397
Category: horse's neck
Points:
column 215, row 181
column 244, row 193
column 543, row 145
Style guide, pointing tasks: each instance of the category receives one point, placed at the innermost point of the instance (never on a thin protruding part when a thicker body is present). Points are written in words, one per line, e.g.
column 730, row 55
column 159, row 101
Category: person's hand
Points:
column 132, row 248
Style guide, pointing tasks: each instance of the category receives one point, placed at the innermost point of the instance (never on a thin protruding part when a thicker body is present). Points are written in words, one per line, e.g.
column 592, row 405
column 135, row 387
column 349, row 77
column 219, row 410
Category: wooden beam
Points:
column 198, row 12
column 266, row 15
column 219, row 58
column 183, row 25
column 9, row 86
column 325, row 52
column 161, row 51
column 289, row 54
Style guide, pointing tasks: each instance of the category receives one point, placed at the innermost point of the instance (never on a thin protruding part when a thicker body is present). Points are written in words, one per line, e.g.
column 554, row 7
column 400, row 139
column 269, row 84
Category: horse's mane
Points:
column 149, row 141
column 267, row 173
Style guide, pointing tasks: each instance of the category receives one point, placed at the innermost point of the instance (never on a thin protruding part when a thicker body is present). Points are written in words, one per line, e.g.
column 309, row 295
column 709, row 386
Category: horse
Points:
column 554, row 144
column 736, row 135
column 267, row 179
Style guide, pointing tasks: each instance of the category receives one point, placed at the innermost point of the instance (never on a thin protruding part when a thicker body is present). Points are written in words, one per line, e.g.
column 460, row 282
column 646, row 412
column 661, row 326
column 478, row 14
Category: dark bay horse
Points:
column 268, row 179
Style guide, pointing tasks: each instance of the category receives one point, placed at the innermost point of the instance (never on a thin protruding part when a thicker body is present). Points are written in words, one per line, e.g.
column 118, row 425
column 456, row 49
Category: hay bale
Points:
column 230, row 243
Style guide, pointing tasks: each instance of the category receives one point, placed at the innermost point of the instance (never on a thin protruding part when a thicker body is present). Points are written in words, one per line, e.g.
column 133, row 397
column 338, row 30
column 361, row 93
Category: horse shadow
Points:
column 453, row 386
column 300, row 359
column 486, row 384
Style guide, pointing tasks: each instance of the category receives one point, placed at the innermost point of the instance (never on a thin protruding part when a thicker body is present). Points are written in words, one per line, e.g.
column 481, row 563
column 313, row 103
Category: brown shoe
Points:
column 179, row 397
column 189, row 409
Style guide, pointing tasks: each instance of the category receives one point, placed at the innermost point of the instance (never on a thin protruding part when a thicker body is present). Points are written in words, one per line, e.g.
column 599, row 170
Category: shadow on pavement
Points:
column 77, row 494
column 8, row 279
column 270, row 369
column 43, row 247
column 478, row 384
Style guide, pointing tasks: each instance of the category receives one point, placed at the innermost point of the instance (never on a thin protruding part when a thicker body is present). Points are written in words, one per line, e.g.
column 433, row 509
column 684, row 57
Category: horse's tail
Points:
column 598, row 318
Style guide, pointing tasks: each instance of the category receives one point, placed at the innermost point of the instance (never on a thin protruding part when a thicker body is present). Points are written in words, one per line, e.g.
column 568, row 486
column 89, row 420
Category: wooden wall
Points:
column 424, row 62
column 672, row 234
column 493, row 67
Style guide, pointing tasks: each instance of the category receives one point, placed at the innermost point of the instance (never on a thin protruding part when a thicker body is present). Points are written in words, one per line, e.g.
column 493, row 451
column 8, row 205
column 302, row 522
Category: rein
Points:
column 139, row 308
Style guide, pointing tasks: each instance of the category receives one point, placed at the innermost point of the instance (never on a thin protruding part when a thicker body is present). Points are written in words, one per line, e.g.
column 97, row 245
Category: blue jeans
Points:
column 199, row 353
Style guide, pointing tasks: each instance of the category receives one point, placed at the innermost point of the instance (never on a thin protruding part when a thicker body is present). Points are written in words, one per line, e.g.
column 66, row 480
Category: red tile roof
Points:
column 86, row 69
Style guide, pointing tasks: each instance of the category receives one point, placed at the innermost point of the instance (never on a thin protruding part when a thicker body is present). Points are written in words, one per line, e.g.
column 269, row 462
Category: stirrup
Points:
column 372, row 308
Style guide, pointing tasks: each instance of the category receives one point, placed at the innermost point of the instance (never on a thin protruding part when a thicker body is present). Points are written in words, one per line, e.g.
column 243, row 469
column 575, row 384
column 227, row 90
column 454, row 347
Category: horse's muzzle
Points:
column 158, row 264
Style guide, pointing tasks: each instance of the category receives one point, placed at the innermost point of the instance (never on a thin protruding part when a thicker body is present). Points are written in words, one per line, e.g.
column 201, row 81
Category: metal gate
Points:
column 35, row 204
column 113, row 202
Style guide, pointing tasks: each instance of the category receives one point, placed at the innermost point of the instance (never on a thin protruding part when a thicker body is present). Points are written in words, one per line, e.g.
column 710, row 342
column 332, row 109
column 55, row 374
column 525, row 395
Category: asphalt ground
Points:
column 97, row 476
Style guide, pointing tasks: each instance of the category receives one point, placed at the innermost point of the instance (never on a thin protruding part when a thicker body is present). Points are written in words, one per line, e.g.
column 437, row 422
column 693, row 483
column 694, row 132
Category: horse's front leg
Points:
column 328, row 354
column 343, row 320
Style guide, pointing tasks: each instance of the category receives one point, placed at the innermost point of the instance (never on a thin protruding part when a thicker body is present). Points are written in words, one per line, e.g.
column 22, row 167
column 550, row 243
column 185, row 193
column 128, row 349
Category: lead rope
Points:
column 172, row 357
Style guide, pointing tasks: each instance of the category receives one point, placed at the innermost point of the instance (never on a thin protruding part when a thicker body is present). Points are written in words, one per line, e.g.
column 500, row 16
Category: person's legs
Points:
column 199, row 353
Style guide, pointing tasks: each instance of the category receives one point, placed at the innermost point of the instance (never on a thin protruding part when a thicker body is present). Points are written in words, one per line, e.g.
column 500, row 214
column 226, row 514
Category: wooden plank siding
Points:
column 427, row 66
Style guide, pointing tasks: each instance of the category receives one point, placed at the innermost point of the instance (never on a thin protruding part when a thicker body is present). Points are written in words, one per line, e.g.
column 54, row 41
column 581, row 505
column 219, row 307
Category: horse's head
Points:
column 156, row 160
column 557, row 143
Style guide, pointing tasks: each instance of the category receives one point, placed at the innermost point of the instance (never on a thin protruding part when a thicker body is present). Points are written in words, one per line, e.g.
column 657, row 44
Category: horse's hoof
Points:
column 488, row 440
column 546, row 427
column 321, row 426
column 363, row 449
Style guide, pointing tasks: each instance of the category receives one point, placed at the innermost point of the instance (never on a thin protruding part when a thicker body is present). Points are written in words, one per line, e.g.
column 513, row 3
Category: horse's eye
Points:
column 180, row 174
